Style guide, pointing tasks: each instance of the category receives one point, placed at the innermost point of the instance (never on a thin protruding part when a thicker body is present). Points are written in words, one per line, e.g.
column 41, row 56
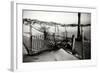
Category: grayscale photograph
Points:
column 55, row 36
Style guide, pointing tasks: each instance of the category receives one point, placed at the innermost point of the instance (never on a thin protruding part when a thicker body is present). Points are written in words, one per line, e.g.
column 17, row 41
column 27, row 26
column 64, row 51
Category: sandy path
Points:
column 59, row 55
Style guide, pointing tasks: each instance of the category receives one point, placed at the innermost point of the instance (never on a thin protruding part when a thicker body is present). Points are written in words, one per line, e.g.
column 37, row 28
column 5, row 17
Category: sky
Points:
column 59, row 17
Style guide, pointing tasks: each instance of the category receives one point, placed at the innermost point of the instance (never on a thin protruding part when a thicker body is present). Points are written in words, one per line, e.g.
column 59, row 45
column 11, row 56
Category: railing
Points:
column 38, row 43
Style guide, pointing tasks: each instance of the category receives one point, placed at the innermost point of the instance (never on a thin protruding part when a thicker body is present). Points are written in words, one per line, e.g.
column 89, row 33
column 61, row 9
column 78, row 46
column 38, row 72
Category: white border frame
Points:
column 16, row 60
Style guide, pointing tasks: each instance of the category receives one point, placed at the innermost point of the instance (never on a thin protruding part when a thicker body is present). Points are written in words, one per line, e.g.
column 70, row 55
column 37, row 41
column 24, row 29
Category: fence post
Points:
column 82, row 43
column 78, row 31
column 30, row 52
column 73, row 42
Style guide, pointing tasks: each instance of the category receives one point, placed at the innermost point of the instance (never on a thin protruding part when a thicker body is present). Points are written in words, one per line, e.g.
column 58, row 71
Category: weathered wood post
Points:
column 82, row 43
column 65, row 32
column 55, row 35
column 30, row 52
column 73, row 43
column 58, row 30
column 78, row 31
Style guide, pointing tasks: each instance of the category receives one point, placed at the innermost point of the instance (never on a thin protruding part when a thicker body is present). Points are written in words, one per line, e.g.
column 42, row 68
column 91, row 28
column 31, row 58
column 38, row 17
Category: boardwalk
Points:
column 58, row 55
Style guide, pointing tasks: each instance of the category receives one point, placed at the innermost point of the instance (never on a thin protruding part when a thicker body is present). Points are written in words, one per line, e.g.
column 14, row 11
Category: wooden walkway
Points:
column 58, row 55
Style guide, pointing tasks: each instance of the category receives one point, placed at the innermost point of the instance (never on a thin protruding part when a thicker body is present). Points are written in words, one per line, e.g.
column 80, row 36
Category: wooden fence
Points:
column 38, row 43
